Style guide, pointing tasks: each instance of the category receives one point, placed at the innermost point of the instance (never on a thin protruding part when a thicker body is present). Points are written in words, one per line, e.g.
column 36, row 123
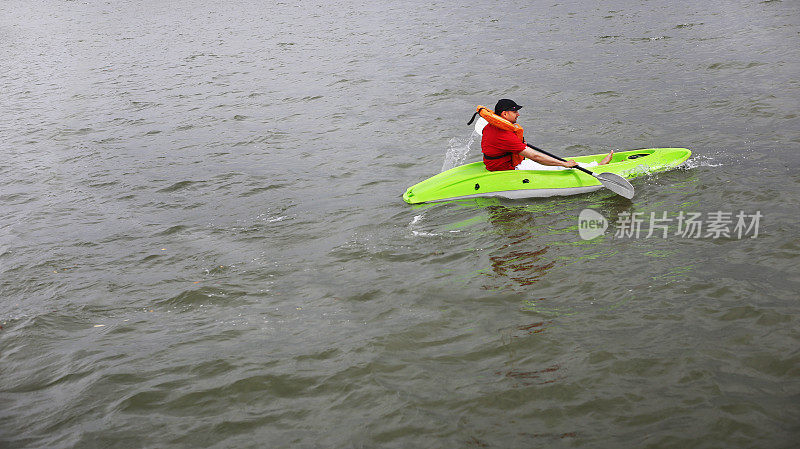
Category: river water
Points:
column 203, row 241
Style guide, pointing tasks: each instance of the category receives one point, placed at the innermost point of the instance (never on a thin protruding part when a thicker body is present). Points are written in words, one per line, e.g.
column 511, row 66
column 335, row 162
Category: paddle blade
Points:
column 479, row 125
column 616, row 184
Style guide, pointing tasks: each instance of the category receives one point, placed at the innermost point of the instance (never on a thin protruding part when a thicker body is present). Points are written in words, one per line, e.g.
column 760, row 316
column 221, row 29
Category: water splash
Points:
column 700, row 161
column 457, row 151
column 415, row 228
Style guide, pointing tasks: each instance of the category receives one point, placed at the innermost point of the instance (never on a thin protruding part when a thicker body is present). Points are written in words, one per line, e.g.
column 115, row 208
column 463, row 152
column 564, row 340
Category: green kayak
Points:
column 473, row 180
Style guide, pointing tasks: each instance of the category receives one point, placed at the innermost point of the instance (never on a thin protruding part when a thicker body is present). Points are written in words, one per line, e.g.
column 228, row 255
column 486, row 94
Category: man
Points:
column 500, row 146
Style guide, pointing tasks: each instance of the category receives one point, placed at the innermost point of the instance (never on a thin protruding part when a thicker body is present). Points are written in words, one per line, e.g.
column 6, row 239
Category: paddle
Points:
column 611, row 181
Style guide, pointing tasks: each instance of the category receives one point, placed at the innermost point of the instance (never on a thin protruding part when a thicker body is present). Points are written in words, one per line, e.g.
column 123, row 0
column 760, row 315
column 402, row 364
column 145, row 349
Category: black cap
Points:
column 506, row 105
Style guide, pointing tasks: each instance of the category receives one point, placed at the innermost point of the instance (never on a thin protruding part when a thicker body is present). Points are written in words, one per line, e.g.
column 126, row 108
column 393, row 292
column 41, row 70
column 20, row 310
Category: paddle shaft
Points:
column 560, row 159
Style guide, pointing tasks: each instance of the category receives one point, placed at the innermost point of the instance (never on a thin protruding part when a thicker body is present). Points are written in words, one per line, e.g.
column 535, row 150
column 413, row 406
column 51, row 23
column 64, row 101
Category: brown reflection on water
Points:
column 522, row 267
column 534, row 328
column 519, row 260
column 508, row 335
column 523, row 376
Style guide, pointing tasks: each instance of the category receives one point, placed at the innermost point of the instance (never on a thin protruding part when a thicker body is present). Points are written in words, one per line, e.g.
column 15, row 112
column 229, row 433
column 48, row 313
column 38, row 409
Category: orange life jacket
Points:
column 504, row 124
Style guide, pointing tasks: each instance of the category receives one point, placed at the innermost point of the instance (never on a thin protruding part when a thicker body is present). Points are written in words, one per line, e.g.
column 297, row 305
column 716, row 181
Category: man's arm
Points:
column 544, row 159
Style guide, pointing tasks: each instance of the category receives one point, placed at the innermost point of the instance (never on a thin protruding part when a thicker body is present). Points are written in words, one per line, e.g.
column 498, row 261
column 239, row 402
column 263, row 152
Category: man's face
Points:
column 511, row 116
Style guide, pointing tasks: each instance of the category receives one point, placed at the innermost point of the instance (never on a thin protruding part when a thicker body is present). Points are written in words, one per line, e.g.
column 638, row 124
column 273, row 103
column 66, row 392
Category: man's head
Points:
column 507, row 109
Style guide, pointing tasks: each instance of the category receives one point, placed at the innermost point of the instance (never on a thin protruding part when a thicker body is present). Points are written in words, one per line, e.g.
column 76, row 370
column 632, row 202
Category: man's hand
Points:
column 570, row 163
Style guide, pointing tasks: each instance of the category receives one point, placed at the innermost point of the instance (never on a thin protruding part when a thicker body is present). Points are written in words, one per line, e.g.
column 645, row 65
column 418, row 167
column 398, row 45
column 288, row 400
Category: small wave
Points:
column 274, row 216
column 608, row 93
column 179, row 186
column 172, row 230
column 261, row 189
column 423, row 233
column 734, row 65
column 686, row 25
column 649, row 39
column 203, row 296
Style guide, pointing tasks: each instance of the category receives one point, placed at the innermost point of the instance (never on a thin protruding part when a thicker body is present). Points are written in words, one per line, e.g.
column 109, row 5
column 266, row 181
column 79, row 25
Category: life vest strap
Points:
column 496, row 157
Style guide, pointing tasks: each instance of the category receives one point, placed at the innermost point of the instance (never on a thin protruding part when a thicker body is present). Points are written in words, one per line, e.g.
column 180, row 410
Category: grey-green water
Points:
column 203, row 244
